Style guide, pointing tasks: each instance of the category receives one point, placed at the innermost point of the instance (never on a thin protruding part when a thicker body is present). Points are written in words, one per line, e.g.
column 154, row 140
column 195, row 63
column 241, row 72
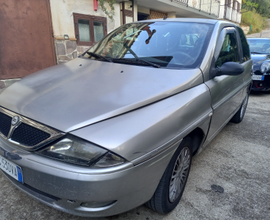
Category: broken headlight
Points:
column 77, row 151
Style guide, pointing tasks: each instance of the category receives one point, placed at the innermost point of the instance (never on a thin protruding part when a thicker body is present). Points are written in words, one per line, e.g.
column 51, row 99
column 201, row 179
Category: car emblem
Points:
column 15, row 120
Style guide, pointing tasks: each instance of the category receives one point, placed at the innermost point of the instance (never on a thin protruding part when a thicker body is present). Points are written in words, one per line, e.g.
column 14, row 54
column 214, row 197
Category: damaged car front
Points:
column 118, row 126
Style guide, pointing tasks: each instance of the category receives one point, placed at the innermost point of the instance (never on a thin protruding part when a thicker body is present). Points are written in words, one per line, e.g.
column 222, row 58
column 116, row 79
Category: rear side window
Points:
column 245, row 46
column 229, row 50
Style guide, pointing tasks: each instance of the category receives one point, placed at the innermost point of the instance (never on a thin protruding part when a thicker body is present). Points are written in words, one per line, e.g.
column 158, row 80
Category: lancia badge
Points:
column 15, row 120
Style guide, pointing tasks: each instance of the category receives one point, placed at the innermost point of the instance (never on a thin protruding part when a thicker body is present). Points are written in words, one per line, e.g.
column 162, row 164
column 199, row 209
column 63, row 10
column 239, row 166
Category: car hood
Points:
column 84, row 91
column 258, row 60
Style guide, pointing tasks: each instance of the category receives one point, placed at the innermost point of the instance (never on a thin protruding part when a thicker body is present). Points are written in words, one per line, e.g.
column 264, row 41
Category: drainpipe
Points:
column 210, row 6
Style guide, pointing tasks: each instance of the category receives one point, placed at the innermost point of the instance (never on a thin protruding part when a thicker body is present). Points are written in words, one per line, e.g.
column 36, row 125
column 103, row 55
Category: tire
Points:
column 239, row 115
column 171, row 188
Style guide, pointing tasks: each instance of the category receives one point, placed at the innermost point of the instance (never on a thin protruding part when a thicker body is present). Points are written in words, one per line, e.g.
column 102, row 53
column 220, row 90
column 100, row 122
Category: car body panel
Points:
column 226, row 100
column 227, row 92
column 67, row 186
column 93, row 95
column 152, row 126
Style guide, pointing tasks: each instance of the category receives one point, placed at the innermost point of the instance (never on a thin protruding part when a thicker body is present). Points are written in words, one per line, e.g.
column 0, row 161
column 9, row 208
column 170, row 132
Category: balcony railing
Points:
column 211, row 7
column 232, row 14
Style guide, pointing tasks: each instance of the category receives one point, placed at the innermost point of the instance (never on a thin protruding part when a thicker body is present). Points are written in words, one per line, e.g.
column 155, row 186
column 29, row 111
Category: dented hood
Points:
column 85, row 91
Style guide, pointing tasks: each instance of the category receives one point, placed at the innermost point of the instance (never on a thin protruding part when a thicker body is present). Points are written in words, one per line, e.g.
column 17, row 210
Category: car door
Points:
column 227, row 92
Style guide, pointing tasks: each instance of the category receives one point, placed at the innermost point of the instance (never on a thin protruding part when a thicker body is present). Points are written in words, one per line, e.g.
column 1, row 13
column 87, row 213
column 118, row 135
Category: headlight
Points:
column 265, row 67
column 77, row 151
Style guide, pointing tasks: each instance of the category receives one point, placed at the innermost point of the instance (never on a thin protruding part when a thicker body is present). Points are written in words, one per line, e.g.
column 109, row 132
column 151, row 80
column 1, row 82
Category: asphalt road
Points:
column 237, row 160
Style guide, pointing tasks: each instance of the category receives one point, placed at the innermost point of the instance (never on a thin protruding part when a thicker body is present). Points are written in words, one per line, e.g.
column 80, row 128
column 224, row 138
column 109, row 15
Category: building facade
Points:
column 231, row 10
column 72, row 26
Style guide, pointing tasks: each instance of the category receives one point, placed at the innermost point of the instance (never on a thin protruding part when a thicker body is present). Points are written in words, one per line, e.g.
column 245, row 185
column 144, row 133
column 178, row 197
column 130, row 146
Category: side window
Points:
column 229, row 50
column 89, row 29
column 245, row 46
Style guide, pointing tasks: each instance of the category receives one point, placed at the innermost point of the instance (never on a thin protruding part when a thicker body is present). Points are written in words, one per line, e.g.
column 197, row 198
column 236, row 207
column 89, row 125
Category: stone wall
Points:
column 67, row 50
column 157, row 14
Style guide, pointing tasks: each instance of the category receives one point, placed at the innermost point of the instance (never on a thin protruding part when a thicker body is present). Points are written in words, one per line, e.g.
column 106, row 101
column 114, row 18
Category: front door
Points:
column 227, row 92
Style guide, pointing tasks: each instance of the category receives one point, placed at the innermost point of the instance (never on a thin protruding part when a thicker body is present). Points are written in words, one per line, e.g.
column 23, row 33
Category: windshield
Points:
column 167, row 44
column 259, row 46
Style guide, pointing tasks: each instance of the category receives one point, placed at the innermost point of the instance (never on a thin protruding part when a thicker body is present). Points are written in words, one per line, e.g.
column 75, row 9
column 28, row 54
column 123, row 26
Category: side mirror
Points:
column 230, row 68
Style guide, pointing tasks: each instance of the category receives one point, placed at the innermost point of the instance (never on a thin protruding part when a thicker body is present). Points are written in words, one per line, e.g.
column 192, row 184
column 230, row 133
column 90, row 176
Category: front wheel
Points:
column 173, row 181
column 239, row 115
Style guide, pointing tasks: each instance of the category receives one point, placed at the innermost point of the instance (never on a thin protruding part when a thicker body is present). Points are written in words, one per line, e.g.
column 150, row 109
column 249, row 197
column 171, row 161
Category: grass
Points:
column 256, row 20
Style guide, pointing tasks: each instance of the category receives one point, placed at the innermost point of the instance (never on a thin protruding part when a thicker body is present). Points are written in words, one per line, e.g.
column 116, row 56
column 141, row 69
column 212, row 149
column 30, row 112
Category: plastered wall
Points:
column 62, row 15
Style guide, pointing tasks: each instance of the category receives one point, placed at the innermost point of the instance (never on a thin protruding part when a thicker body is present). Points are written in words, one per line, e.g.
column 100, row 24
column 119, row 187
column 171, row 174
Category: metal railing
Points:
column 211, row 7
column 181, row 1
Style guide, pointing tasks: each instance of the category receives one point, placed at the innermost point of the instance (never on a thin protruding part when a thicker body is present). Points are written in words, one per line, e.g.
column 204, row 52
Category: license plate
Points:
column 11, row 169
column 257, row 77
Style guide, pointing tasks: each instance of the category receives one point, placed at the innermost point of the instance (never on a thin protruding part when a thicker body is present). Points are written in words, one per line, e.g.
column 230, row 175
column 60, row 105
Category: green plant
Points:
column 246, row 4
column 261, row 6
column 109, row 13
column 256, row 20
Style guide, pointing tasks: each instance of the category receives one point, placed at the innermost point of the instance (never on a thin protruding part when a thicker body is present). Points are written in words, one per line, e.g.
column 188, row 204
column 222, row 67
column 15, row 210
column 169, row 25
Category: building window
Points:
column 89, row 29
column 238, row 7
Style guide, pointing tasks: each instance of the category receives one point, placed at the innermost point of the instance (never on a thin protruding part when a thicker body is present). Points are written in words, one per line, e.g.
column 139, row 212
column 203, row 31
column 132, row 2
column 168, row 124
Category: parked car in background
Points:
column 118, row 126
column 260, row 54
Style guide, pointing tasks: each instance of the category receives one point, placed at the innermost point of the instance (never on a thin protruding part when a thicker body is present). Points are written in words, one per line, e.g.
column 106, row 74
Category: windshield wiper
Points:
column 98, row 56
column 136, row 60
column 257, row 53
column 139, row 59
column 148, row 62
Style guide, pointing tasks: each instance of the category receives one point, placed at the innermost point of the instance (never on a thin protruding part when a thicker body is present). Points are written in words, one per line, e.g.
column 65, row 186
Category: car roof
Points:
column 252, row 38
column 195, row 20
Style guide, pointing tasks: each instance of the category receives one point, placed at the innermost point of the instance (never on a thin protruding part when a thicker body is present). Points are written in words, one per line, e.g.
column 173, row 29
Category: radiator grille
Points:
column 25, row 132
column 5, row 123
column 28, row 135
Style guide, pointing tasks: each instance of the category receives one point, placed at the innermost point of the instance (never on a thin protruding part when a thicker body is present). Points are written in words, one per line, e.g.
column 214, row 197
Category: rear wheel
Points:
column 239, row 115
column 173, row 181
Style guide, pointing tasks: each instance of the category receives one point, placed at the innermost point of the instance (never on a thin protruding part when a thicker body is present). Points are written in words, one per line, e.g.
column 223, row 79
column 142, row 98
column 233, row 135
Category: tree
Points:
column 261, row 6
column 249, row 5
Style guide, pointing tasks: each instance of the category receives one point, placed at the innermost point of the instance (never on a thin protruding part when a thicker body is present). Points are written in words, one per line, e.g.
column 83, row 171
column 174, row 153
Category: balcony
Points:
column 210, row 7
column 184, row 8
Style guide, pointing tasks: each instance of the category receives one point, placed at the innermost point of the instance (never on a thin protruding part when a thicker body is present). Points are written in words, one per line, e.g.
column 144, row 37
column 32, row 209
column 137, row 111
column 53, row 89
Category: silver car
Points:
column 118, row 127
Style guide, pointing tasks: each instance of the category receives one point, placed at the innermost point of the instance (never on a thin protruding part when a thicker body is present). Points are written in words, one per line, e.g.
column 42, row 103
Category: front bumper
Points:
column 68, row 187
column 261, row 85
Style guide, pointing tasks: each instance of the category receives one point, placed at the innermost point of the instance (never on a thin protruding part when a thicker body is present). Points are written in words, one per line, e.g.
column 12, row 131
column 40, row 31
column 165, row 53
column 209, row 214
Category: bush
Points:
column 256, row 20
